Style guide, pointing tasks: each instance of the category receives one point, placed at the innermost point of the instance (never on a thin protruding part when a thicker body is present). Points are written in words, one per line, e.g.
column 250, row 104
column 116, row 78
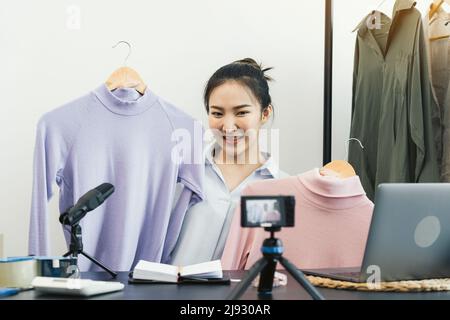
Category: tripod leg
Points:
column 247, row 280
column 99, row 264
column 266, row 280
column 301, row 279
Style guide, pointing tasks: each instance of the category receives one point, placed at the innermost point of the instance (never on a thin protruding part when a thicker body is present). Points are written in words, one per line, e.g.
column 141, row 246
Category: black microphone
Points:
column 88, row 202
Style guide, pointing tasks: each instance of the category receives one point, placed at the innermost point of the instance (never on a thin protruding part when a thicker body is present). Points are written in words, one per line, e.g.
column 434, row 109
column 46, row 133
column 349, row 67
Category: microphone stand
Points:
column 76, row 248
column 72, row 216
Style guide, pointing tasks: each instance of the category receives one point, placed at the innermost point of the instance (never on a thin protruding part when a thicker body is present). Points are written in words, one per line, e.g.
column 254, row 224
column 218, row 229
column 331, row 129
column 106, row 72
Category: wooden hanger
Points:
column 440, row 37
column 433, row 10
column 339, row 168
column 125, row 77
column 434, row 7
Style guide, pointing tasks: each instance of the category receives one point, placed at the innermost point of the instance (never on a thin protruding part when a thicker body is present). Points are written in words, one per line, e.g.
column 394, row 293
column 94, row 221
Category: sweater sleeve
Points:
column 190, row 177
column 240, row 241
column 48, row 160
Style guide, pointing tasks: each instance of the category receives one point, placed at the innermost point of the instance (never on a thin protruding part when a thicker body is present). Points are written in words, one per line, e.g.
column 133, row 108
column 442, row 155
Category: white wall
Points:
column 177, row 45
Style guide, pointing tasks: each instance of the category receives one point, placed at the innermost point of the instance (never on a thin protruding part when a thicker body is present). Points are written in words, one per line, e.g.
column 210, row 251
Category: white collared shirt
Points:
column 206, row 225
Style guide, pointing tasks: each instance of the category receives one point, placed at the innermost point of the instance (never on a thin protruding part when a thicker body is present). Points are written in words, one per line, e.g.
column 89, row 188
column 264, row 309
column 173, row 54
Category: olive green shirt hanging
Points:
column 393, row 111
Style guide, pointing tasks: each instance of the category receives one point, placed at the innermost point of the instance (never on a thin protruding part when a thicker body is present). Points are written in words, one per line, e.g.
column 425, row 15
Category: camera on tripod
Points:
column 272, row 212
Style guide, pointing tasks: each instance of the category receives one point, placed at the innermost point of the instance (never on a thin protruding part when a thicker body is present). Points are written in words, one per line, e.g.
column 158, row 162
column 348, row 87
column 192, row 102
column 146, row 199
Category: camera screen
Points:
column 265, row 211
column 261, row 212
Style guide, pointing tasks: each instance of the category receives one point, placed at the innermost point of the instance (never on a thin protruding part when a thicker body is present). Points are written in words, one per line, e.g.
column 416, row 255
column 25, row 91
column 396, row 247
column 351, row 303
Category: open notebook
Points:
column 159, row 272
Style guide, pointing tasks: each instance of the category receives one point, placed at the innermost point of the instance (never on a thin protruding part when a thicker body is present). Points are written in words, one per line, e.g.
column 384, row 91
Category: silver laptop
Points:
column 409, row 237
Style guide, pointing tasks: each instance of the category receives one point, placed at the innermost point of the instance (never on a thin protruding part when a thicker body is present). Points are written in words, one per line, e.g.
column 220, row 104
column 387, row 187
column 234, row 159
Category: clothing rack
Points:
column 328, row 82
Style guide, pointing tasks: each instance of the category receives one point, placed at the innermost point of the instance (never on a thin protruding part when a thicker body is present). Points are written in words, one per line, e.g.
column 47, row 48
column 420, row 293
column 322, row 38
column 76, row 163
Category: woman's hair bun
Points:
column 254, row 64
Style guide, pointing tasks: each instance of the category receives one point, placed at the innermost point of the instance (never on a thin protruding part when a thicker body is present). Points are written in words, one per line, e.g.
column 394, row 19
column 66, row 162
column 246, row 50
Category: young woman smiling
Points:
column 238, row 104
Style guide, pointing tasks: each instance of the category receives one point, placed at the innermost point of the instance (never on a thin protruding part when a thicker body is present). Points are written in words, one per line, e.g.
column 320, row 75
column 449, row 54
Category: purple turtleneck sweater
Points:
column 130, row 141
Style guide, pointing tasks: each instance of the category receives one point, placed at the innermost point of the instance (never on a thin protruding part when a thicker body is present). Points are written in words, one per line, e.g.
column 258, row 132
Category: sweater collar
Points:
column 331, row 187
column 331, row 193
column 125, row 101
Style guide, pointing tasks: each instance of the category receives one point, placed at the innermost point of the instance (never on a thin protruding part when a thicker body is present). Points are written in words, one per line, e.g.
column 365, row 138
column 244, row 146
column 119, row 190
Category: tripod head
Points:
column 272, row 248
column 272, row 230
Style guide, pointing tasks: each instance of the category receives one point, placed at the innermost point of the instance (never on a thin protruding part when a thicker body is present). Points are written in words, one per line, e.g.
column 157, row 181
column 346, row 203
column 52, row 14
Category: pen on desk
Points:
column 10, row 291
column 6, row 292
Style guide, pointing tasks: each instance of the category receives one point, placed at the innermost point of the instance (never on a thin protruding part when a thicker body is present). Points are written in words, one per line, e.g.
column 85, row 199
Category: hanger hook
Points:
column 347, row 142
column 379, row 6
column 129, row 50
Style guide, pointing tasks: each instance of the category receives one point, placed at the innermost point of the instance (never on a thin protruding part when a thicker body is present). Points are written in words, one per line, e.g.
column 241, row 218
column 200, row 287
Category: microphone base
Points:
column 76, row 248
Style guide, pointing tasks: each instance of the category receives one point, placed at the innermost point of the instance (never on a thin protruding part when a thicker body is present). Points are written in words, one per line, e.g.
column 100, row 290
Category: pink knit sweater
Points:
column 332, row 219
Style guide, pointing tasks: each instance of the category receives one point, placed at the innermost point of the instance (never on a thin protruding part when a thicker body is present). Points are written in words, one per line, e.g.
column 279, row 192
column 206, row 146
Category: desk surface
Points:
column 292, row 291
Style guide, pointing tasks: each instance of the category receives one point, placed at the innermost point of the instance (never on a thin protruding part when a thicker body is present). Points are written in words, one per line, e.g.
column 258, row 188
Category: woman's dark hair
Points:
column 246, row 72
